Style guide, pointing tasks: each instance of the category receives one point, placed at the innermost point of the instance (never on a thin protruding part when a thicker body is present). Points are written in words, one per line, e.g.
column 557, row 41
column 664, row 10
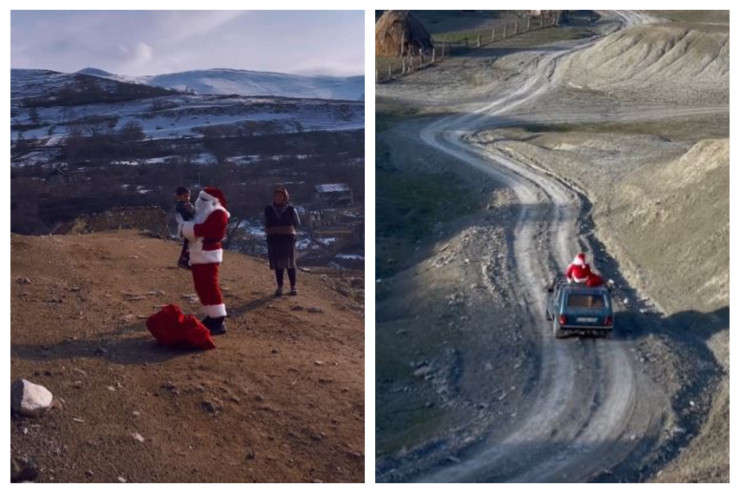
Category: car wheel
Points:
column 609, row 334
column 557, row 331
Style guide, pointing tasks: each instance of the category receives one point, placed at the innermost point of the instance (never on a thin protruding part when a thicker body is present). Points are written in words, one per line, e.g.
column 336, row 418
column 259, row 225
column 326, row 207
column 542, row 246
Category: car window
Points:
column 582, row 300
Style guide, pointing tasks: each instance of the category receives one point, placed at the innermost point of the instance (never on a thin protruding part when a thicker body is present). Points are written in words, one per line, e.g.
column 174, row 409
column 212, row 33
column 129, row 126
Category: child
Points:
column 187, row 211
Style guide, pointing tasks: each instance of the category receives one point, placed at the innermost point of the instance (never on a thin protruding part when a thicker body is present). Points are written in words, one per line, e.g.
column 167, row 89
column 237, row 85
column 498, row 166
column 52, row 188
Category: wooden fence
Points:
column 389, row 68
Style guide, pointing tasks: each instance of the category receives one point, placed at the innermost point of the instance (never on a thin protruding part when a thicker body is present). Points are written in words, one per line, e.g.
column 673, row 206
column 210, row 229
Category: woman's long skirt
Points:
column 281, row 251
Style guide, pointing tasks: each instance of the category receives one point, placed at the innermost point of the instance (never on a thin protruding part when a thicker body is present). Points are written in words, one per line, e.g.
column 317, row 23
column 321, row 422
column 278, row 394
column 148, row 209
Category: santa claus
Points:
column 205, row 233
column 578, row 270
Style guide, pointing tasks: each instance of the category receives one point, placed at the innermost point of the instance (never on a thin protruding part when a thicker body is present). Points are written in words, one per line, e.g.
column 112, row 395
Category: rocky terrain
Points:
column 280, row 399
column 612, row 143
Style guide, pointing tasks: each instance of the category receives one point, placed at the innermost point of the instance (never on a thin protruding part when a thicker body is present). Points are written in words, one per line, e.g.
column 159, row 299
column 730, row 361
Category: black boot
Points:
column 218, row 326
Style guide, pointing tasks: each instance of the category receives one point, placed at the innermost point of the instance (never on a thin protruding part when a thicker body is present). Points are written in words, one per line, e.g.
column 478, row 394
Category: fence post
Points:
column 528, row 22
column 493, row 35
column 434, row 54
column 505, row 24
column 478, row 40
column 390, row 73
column 403, row 65
column 516, row 27
column 377, row 75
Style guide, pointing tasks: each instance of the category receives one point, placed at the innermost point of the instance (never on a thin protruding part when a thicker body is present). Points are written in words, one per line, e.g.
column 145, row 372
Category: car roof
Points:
column 571, row 288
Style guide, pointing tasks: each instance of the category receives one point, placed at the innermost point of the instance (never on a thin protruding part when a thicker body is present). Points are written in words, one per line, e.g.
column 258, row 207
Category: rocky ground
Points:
column 280, row 399
column 641, row 136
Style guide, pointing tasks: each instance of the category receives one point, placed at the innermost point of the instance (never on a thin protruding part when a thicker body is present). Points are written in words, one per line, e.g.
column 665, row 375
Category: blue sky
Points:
column 156, row 42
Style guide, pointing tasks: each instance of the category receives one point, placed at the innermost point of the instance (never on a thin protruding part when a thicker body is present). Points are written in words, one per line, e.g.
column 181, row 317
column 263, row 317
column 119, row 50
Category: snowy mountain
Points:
column 47, row 107
column 249, row 83
column 31, row 87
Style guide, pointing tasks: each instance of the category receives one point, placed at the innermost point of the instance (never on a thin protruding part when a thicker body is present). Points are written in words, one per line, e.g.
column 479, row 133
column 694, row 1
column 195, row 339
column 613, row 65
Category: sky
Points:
column 157, row 42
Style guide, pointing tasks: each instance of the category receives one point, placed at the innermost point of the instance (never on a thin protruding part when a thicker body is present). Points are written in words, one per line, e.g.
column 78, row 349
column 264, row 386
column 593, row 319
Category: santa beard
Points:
column 202, row 209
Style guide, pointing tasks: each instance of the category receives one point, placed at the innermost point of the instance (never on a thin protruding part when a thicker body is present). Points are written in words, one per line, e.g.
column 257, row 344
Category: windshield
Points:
column 587, row 301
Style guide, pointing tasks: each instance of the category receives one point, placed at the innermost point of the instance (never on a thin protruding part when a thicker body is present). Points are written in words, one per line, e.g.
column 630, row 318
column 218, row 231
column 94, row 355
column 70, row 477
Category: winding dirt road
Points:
column 593, row 406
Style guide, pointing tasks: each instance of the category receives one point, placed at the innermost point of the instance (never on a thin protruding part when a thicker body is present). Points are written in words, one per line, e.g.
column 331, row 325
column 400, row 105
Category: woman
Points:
column 281, row 221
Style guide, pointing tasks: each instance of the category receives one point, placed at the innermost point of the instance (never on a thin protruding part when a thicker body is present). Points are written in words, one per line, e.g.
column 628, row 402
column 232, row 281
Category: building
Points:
column 333, row 195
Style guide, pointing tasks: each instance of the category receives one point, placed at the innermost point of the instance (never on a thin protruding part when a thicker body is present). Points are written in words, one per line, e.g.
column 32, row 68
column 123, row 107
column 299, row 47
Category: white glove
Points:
column 179, row 219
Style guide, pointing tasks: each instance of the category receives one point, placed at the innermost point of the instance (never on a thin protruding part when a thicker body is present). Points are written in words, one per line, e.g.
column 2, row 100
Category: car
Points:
column 579, row 309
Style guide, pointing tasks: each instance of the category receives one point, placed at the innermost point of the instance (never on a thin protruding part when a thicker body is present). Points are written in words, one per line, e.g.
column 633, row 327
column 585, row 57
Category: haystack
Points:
column 399, row 33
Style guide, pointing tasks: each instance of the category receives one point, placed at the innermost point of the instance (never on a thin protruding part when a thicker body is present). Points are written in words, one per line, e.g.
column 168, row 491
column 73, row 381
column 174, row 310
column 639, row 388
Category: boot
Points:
column 279, row 291
column 218, row 326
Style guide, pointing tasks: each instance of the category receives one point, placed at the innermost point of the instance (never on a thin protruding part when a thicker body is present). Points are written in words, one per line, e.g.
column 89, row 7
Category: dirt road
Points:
column 592, row 411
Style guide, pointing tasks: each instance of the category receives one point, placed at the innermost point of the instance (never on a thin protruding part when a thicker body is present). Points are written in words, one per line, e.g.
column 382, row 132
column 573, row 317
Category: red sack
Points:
column 594, row 280
column 170, row 327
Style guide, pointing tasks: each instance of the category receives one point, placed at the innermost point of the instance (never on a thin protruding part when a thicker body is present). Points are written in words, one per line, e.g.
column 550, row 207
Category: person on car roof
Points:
column 578, row 270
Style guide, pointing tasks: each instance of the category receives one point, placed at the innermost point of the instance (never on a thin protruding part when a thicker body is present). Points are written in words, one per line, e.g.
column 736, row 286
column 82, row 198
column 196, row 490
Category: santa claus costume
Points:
column 205, row 233
column 578, row 270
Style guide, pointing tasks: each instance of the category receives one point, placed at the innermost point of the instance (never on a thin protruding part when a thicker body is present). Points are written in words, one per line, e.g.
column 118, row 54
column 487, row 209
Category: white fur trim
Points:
column 578, row 261
column 188, row 230
column 215, row 311
column 200, row 256
column 220, row 208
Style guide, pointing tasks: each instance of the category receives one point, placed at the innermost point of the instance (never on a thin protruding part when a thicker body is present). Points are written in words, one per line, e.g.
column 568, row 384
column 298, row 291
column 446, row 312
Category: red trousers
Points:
column 205, row 279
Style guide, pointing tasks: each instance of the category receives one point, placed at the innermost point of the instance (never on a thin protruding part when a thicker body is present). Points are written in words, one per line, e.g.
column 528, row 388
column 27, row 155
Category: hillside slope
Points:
column 666, row 62
column 250, row 83
column 280, row 398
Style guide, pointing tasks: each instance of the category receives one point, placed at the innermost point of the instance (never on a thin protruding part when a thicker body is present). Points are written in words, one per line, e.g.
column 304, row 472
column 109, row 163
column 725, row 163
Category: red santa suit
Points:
column 578, row 270
column 205, row 233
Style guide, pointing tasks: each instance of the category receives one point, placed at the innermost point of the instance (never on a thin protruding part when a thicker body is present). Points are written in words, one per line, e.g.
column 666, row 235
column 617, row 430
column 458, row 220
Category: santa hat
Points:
column 580, row 259
column 215, row 195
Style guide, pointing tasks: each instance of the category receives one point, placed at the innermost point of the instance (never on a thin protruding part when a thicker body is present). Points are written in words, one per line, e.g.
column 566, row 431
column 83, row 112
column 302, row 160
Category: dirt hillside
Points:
column 637, row 123
column 672, row 62
column 280, row 399
column 659, row 185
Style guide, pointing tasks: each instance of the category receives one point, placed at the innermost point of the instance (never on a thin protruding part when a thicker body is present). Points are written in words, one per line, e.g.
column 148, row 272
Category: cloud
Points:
column 150, row 42
column 340, row 68
column 177, row 27
column 133, row 59
column 143, row 53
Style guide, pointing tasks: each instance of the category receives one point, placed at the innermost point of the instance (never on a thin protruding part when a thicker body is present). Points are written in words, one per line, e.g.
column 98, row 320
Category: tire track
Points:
column 592, row 403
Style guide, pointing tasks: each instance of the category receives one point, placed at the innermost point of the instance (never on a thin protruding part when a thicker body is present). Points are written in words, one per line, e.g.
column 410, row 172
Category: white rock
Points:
column 30, row 399
column 138, row 437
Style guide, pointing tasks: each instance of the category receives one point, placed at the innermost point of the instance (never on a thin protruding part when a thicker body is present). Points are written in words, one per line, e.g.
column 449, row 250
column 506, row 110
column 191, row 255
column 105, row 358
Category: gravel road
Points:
column 593, row 408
